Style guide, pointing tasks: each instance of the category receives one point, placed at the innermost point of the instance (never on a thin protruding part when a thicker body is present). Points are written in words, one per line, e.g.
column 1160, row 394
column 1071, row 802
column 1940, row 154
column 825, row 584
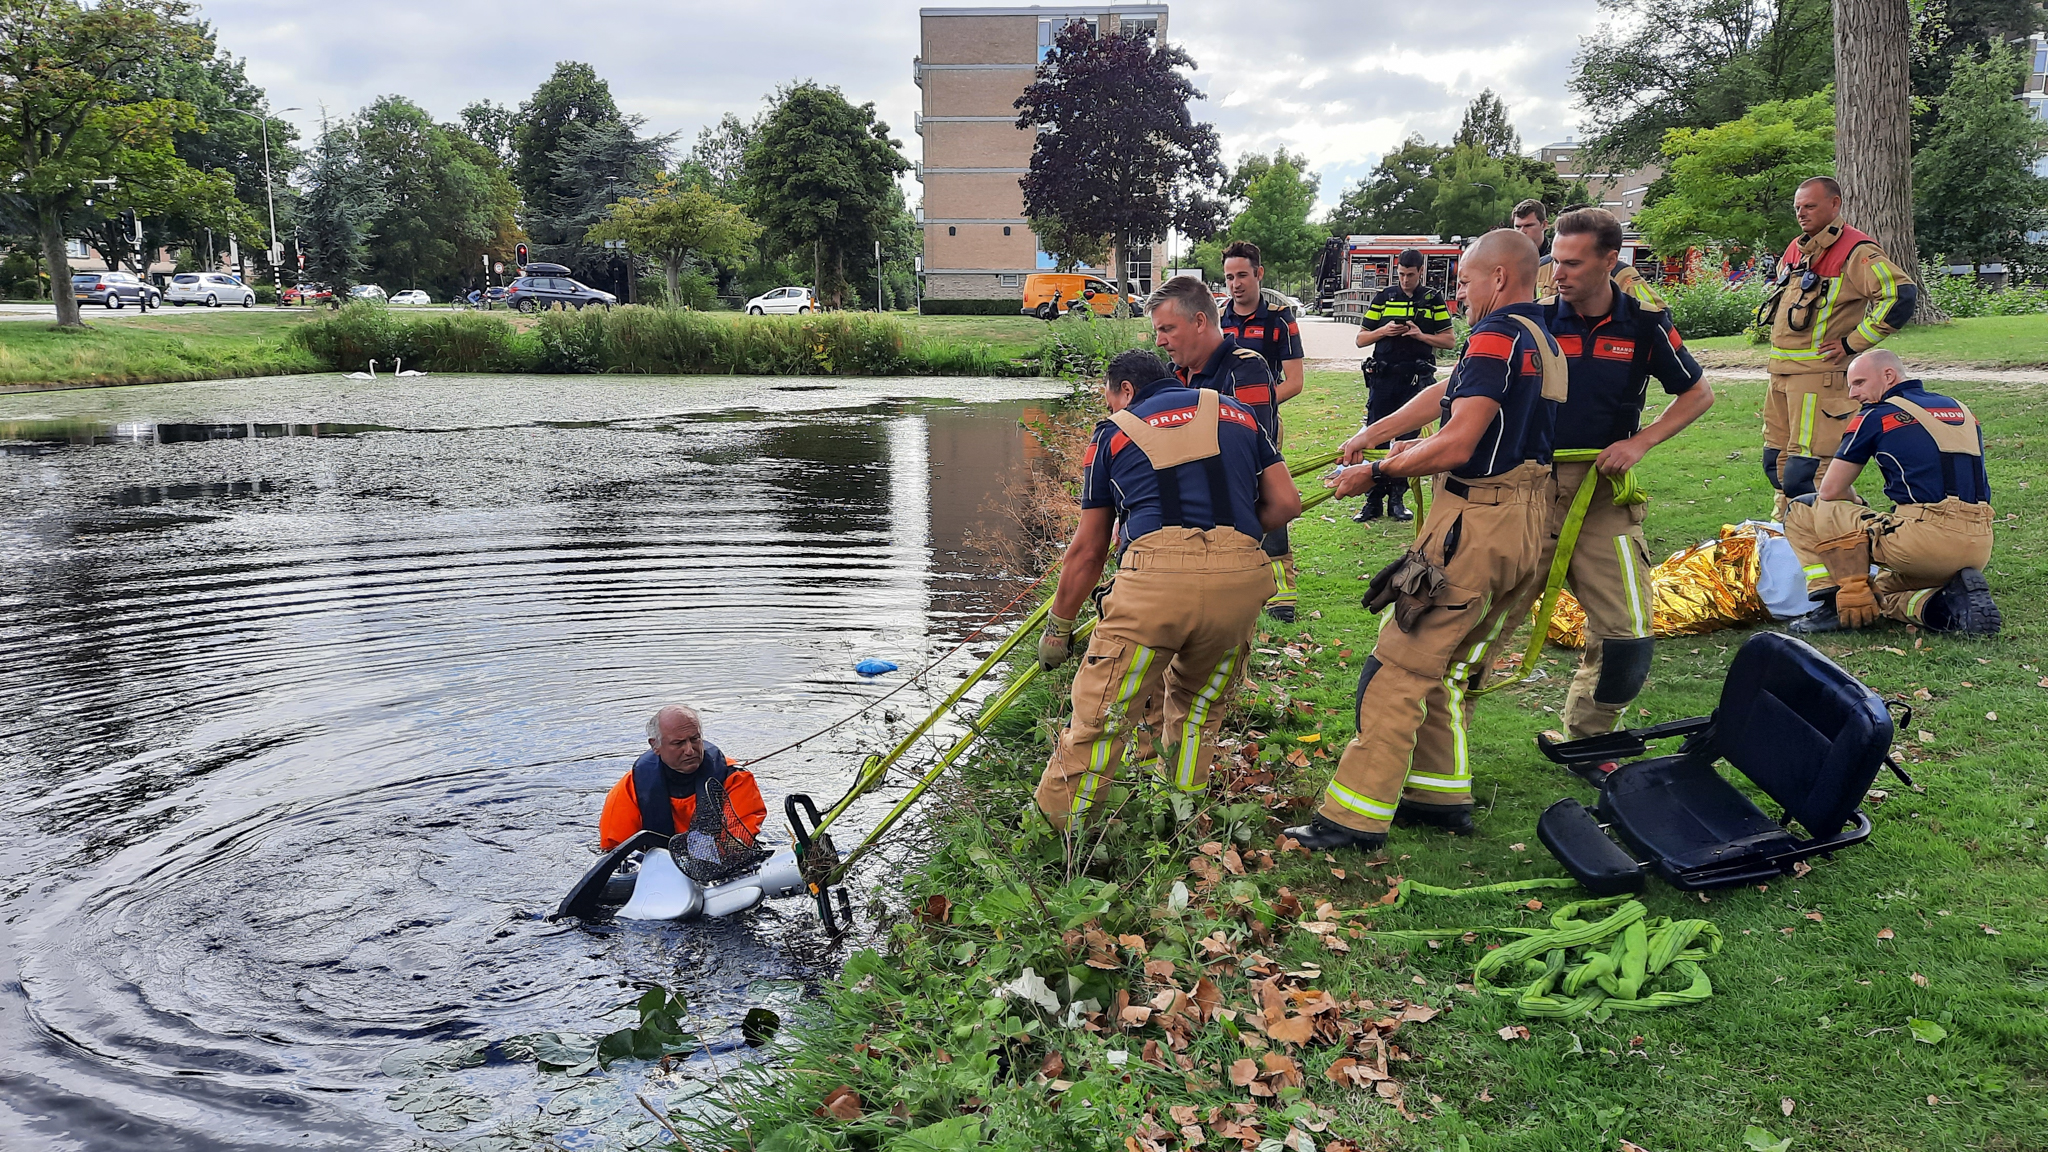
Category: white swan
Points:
column 399, row 369
column 370, row 375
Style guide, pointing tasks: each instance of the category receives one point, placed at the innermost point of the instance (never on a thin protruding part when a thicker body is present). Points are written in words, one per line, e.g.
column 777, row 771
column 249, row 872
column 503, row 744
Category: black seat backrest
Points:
column 1807, row 732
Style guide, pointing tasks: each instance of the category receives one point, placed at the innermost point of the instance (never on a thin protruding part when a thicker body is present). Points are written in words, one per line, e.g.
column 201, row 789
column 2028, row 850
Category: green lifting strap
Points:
column 1597, row 955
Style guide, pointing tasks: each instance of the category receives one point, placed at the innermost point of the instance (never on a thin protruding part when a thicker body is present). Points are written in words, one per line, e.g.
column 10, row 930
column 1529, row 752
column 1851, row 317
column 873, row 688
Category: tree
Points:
column 1874, row 122
column 1978, row 195
column 1656, row 65
column 342, row 198
column 572, row 98
column 717, row 162
column 1399, row 196
column 445, row 199
column 1946, row 32
column 595, row 166
column 1475, row 192
column 71, row 112
column 1069, row 249
column 492, row 125
column 675, row 225
column 819, row 175
column 1253, row 165
column 1276, row 219
column 1118, row 153
column 1732, row 185
column 1487, row 128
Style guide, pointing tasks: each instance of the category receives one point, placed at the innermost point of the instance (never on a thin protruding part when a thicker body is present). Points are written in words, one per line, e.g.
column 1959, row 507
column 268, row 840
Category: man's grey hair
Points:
column 654, row 721
column 1190, row 294
column 1879, row 359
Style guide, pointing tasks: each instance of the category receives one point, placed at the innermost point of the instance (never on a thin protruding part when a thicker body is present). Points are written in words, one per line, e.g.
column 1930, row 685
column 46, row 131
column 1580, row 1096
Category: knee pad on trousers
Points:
column 1366, row 672
column 1799, row 475
column 1771, row 468
column 1275, row 543
column 1624, row 666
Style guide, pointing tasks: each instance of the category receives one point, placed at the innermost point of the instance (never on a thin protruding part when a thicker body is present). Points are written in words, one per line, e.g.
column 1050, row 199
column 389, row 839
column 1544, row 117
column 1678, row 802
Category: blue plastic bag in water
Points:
column 873, row 668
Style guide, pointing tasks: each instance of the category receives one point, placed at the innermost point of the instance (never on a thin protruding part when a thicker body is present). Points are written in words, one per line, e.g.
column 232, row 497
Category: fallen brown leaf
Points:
column 1244, row 1072
column 1884, row 933
column 935, row 910
column 1918, row 979
column 1785, row 1105
column 1814, row 916
column 843, row 1103
column 1052, row 1066
column 1513, row 1032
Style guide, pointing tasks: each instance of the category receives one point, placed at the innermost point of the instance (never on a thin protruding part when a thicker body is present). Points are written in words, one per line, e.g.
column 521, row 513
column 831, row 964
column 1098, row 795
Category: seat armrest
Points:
column 1622, row 745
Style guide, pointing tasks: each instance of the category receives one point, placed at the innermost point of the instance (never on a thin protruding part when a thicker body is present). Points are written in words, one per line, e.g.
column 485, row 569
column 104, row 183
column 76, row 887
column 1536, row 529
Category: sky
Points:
column 1338, row 82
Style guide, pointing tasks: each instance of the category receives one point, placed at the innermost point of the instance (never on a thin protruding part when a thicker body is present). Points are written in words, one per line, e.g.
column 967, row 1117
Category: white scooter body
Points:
column 662, row 892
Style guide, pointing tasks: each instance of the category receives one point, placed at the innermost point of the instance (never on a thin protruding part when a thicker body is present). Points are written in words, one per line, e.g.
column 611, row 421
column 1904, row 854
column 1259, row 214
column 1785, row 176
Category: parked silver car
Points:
column 114, row 289
column 212, row 289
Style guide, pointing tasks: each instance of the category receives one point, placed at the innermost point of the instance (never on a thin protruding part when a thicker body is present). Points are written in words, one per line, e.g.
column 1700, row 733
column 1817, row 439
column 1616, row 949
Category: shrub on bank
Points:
column 1963, row 297
column 1006, row 306
column 662, row 341
column 1711, row 306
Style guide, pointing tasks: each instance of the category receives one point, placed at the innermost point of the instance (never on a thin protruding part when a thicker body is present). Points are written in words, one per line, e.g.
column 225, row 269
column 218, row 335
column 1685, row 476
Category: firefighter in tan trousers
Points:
column 1614, row 344
column 1473, row 573
column 1931, row 548
column 1196, row 483
column 1836, row 295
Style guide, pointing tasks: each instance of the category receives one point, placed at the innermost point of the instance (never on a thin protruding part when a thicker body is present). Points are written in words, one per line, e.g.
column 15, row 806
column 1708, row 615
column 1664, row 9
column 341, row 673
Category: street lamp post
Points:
column 269, row 196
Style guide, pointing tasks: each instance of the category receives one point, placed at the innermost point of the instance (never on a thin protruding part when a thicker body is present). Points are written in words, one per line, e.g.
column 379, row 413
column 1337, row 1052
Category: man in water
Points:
column 679, row 768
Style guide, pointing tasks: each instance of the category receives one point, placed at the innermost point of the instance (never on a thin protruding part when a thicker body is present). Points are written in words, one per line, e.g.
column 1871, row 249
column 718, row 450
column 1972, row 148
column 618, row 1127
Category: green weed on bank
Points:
column 938, row 1040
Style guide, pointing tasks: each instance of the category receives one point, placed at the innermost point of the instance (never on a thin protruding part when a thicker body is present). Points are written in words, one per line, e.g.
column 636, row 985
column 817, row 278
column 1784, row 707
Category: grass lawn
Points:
column 1982, row 342
column 1011, row 336
column 141, row 350
column 1941, row 917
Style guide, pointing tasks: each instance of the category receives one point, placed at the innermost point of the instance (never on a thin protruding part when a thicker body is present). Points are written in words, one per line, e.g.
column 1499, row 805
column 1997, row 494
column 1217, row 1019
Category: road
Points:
column 95, row 313
column 1330, row 344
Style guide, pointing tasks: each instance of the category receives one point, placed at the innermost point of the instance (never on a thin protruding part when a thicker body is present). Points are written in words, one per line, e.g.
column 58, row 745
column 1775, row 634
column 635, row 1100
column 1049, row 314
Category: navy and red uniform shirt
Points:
column 1501, row 364
column 1612, row 359
column 1116, row 474
column 1915, row 471
column 1242, row 374
column 1269, row 331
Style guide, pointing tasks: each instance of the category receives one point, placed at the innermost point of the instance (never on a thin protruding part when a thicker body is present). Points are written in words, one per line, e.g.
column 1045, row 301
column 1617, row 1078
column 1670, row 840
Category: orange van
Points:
column 1048, row 294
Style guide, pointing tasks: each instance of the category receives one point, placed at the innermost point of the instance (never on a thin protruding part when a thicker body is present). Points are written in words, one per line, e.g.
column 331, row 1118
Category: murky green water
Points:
column 310, row 690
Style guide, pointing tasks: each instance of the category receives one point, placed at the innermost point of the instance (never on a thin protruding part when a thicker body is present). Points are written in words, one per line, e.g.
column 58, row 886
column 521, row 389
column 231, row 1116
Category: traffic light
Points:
column 131, row 225
column 522, row 257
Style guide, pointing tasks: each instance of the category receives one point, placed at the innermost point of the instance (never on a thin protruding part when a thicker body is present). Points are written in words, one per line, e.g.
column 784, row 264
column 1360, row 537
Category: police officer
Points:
column 1252, row 320
column 1613, row 343
column 1195, row 483
column 1837, row 294
column 1204, row 357
column 1932, row 546
column 1473, row 573
column 1404, row 325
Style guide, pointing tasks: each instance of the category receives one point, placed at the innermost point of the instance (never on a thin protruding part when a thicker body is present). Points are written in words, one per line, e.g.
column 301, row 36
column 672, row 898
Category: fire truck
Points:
column 1350, row 269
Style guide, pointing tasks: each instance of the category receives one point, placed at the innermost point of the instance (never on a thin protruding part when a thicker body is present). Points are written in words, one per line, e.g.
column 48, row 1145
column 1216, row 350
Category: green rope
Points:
column 1607, row 954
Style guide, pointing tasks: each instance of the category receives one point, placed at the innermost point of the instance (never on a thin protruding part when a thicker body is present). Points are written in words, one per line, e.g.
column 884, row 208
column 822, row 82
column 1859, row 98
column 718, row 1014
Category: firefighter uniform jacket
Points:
column 1271, row 332
column 1241, row 374
column 1837, row 294
column 1916, row 470
column 1502, row 363
column 1612, row 359
column 1116, row 475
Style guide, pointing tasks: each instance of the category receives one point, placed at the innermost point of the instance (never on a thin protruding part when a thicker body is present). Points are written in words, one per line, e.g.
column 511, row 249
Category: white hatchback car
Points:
column 212, row 289
column 782, row 300
column 412, row 296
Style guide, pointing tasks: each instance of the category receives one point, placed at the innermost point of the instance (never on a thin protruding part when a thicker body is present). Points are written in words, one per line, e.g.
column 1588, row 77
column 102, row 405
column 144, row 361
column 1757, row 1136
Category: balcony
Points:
column 917, row 70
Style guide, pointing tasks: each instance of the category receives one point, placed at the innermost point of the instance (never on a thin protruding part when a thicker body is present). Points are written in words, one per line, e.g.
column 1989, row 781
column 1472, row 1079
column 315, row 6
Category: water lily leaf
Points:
column 1926, row 1031
column 439, row 1105
column 954, row 1135
column 416, row 1062
column 1758, row 1140
column 555, row 1051
column 759, row 1025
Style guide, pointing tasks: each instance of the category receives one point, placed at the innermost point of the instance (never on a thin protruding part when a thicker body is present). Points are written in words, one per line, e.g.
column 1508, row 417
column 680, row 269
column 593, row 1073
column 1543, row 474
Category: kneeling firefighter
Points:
column 1931, row 548
column 1614, row 344
column 1196, row 484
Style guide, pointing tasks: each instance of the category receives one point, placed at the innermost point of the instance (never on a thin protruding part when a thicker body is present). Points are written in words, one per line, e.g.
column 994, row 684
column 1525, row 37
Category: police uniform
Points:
column 1243, row 374
column 1933, row 545
column 1837, row 294
column 1400, row 366
column 1483, row 538
column 1612, row 359
column 1181, row 467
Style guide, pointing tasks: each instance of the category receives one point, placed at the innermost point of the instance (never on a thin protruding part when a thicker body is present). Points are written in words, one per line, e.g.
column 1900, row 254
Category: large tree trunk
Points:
column 1873, row 125
column 51, row 227
column 672, row 271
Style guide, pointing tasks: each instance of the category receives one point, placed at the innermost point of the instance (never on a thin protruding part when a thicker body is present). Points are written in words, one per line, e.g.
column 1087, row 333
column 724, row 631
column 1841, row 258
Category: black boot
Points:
column 1963, row 605
column 1453, row 818
column 1372, row 509
column 1396, row 508
column 1821, row 619
column 1321, row 835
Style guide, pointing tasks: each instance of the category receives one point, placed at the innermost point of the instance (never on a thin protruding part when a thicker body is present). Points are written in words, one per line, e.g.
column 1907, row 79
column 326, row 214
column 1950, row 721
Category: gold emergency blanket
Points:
column 1705, row 588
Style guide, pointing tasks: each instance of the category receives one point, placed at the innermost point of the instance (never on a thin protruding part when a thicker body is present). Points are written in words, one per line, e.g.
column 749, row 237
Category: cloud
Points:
column 1339, row 83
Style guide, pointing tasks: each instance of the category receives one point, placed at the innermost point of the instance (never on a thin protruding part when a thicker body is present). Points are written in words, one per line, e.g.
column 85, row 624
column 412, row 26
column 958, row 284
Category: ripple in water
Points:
column 311, row 691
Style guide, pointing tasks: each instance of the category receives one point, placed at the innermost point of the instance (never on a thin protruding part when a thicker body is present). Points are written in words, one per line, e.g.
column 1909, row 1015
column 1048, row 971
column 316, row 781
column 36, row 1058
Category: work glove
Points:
column 1855, row 605
column 1056, row 646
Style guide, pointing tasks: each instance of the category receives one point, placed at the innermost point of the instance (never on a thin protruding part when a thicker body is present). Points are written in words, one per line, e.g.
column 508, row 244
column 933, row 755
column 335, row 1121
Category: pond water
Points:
column 310, row 690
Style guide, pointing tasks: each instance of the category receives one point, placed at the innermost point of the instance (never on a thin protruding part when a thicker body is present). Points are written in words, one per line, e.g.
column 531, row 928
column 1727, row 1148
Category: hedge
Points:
column 1007, row 306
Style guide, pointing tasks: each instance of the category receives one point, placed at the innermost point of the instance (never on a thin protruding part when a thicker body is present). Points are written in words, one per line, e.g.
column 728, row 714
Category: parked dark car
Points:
column 549, row 286
column 114, row 289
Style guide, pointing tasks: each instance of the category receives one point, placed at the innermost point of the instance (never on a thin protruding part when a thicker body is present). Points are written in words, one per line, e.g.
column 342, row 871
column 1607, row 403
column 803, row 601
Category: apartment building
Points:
column 2035, row 93
column 1619, row 192
column 973, row 64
